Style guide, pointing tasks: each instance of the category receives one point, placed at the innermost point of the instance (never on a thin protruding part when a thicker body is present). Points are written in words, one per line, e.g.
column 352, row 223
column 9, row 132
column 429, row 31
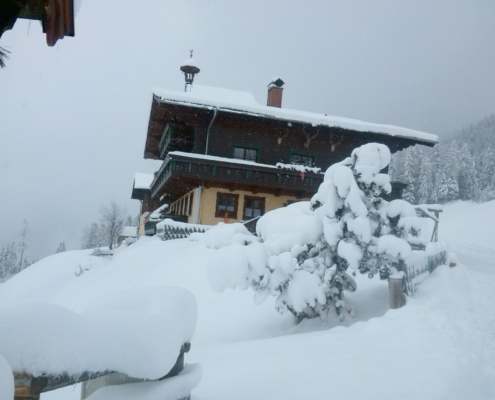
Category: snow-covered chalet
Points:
column 227, row 158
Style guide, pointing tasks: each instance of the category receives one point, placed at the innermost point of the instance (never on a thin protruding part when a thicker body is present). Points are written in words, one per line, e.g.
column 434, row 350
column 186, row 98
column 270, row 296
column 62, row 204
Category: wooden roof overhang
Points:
column 138, row 194
column 165, row 111
column 180, row 174
column 56, row 16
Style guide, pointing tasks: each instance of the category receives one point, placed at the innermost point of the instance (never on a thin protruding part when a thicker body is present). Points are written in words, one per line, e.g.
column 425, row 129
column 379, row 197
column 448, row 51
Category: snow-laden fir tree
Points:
column 93, row 236
column 23, row 242
column 303, row 251
column 61, row 247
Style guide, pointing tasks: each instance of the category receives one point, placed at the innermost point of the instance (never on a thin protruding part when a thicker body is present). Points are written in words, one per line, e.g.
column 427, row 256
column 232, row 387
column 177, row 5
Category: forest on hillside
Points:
column 461, row 167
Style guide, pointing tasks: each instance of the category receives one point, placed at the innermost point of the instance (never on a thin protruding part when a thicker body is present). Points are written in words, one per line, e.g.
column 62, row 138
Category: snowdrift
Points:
column 439, row 346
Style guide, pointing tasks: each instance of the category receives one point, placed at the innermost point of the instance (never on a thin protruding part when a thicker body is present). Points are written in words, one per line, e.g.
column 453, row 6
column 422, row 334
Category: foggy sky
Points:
column 73, row 118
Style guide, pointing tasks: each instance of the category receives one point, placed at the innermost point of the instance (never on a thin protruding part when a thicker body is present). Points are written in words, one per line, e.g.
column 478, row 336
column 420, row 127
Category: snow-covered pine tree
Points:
column 85, row 238
column 61, row 247
column 412, row 166
column 11, row 264
column 304, row 250
column 486, row 173
column 426, row 179
column 23, row 242
column 3, row 264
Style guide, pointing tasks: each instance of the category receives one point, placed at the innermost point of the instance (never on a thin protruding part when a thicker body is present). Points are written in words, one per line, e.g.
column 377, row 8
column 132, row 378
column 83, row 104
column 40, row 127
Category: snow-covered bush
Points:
column 303, row 251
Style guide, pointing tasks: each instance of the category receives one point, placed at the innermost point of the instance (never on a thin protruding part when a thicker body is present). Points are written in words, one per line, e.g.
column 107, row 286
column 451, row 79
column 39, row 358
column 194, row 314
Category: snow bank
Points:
column 6, row 380
column 222, row 235
column 138, row 332
column 175, row 388
column 430, row 350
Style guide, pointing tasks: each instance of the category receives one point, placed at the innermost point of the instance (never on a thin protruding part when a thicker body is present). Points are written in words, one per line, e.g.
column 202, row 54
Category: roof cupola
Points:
column 190, row 69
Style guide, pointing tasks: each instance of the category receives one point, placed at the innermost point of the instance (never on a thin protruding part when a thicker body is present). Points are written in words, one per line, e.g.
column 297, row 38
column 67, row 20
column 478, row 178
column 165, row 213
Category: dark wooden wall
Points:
column 274, row 139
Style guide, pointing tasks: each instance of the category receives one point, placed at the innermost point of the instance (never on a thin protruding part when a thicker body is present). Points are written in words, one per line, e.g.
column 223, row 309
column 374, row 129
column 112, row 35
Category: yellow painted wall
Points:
column 209, row 201
column 141, row 223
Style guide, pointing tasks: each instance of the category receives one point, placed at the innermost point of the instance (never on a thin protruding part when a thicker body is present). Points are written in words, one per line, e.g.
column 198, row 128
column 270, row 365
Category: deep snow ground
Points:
column 469, row 228
column 440, row 346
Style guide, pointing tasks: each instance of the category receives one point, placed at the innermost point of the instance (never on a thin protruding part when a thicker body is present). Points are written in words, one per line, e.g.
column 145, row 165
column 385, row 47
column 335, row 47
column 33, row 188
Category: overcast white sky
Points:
column 74, row 117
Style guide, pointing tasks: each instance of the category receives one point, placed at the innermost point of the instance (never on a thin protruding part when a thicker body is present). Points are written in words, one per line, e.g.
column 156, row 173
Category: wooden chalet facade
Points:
column 220, row 151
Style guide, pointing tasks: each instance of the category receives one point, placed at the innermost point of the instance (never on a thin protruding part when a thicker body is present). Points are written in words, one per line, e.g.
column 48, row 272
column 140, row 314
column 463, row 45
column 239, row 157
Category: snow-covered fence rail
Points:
column 170, row 230
column 421, row 264
column 414, row 270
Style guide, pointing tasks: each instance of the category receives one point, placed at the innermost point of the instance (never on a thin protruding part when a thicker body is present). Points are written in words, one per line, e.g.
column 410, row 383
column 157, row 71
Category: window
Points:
column 246, row 153
column 302, row 159
column 253, row 207
column 226, row 205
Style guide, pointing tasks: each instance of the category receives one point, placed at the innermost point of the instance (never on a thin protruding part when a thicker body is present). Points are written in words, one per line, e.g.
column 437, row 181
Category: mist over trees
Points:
column 106, row 231
column 459, row 168
column 13, row 257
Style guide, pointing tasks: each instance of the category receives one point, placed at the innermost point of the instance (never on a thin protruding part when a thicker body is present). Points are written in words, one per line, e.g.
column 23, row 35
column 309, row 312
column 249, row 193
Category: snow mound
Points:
column 283, row 228
column 138, row 332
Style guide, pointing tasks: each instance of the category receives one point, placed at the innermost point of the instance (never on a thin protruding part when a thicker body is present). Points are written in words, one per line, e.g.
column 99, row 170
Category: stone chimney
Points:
column 275, row 93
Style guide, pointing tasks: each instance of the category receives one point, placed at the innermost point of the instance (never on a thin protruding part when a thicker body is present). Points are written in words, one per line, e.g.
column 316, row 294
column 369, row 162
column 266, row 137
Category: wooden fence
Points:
column 414, row 270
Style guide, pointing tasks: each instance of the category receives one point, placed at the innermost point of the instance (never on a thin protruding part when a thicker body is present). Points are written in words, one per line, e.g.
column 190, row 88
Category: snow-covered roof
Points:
column 143, row 181
column 245, row 103
column 129, row 231
column 205, row 95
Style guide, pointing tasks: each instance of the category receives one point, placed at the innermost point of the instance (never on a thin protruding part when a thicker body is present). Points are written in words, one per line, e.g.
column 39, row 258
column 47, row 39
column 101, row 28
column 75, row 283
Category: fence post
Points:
column 396, row 293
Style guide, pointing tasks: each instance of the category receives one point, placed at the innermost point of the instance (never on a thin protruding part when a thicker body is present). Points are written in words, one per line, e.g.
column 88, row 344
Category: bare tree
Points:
column 112, row 219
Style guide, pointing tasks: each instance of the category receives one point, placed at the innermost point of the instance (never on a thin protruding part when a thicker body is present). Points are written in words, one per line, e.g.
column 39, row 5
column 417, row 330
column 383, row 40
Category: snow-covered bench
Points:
column 137, row 334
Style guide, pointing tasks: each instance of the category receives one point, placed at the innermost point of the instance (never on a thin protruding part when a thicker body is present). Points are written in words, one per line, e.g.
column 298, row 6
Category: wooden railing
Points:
column 165, row 141
column 235, row 173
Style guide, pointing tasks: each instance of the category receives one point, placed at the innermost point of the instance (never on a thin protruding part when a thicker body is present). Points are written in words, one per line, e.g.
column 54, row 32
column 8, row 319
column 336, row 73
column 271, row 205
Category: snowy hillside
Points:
column 441, row 345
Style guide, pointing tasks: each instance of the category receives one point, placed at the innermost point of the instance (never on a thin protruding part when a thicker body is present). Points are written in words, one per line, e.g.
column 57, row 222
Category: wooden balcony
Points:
column 176, row 138
column 182, row 172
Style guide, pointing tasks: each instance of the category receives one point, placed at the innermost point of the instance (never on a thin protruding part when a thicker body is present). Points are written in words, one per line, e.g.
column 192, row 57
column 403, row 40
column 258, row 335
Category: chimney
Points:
column 275, row 93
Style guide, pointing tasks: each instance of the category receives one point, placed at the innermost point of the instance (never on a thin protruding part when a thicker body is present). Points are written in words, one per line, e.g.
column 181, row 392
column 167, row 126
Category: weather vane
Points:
column 191, row 53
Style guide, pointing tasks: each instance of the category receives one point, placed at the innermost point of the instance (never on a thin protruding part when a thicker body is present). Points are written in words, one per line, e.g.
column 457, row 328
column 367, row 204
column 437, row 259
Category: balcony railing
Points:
column 165, row 141
column 215, row 170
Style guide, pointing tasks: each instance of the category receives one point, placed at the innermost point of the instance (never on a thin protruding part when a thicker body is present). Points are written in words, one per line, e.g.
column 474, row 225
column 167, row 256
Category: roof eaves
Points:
column 295, row 121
